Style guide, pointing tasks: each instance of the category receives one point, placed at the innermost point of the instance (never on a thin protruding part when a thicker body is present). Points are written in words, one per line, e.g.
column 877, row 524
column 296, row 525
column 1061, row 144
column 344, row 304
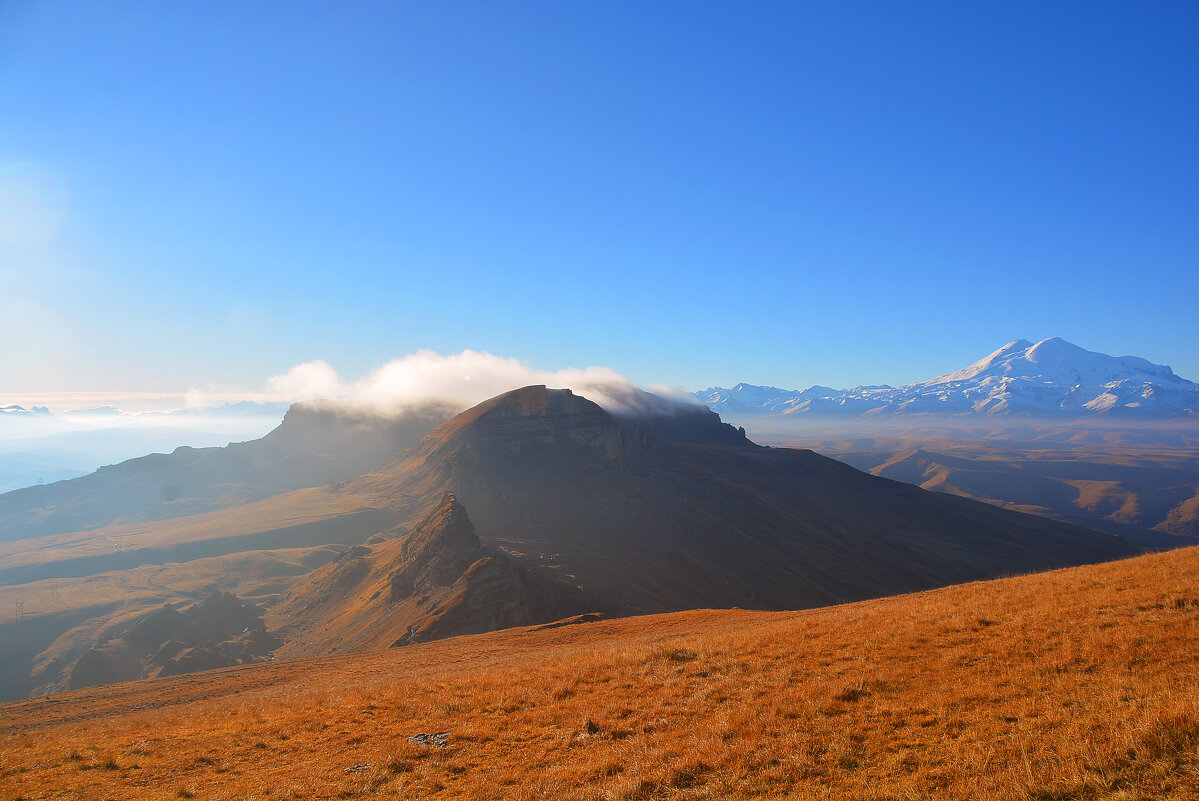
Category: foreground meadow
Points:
column 1080, row 683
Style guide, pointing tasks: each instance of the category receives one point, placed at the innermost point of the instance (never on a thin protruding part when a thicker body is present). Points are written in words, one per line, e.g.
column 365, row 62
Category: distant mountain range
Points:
column 317, row 442
column 40, row 446
column 1051, row 379
column 15, row 411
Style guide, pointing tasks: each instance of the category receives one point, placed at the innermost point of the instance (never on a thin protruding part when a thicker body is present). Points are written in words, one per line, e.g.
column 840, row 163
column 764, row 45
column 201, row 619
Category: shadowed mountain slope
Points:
column 220, row 631
column 317, row 442
column 437, row 581
column 652, row 513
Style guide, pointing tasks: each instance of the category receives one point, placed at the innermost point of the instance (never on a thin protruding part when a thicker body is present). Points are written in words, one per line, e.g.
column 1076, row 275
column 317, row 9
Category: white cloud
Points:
column 307, row 381
column 460, row 379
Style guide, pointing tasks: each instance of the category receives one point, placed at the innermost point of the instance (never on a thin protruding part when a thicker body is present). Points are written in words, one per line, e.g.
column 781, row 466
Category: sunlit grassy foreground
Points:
column 1082, row 683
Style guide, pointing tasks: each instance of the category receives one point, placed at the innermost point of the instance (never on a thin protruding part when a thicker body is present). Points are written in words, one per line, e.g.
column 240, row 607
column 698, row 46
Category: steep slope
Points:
column 672, row 512
column 436, row 581
column 316, row 443
column 1051, row 379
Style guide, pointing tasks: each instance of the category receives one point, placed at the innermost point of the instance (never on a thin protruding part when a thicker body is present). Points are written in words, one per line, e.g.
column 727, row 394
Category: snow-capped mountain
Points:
column 1051, row 378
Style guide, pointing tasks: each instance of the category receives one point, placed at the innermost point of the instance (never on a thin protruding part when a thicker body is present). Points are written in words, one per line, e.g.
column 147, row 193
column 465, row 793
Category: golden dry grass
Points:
column 1081, row 683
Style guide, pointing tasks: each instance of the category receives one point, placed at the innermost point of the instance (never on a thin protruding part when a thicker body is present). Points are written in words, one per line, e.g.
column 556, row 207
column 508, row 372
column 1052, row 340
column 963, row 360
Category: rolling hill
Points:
column 1074, row 684
column 1149, row 496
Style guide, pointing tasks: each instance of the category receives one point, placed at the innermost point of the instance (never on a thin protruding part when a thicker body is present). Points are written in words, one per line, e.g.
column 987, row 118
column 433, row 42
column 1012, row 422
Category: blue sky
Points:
column 687, row 193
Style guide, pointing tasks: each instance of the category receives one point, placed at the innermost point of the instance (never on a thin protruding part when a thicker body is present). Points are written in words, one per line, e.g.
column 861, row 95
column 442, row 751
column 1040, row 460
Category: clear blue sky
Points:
column 689, row 193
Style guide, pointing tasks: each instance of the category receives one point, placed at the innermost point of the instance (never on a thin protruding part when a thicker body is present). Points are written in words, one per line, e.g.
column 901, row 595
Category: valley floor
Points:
column 1080, row 683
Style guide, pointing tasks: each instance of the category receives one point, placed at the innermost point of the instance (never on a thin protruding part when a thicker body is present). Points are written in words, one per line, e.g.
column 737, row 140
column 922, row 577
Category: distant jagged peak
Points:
column 1056, row 349
column 1011, row 350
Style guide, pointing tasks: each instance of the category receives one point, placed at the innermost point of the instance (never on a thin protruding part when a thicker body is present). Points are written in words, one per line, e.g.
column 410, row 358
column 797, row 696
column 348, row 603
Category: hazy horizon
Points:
column 424, row 375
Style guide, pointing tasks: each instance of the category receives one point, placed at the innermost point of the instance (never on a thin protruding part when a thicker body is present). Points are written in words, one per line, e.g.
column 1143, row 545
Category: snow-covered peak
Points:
column 987, row 363
column 1051, row 377
column 1056, row 361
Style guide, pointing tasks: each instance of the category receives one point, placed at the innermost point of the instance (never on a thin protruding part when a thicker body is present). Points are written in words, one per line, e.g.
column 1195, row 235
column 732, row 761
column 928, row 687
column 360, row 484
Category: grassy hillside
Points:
column 1080, row 683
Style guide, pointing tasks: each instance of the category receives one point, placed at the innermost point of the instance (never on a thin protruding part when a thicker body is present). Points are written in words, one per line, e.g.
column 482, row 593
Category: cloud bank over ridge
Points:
column 460, row 379
column 454, row 381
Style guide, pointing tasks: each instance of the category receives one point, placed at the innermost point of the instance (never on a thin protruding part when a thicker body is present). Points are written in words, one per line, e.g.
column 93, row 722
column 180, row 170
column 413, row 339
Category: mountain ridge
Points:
column 1051, row 378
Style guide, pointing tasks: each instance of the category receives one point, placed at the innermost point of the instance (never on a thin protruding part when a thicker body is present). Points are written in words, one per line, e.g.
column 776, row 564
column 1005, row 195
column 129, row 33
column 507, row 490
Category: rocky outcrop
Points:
column 438, row 553
column 438, row 580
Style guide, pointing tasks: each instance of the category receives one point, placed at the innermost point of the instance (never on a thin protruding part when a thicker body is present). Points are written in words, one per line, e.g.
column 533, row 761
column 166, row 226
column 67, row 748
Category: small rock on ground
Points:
column 440, row 739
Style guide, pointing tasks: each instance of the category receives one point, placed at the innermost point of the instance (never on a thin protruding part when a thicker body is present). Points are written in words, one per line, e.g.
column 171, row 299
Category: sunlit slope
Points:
column 1080, row 683
column 296, row 519
column 317, row 443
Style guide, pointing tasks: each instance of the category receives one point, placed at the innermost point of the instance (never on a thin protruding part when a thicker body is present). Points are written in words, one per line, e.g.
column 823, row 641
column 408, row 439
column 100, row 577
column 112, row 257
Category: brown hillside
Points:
column 1076, row 684
column 648, row 520
column 434, row 582
column 218, row 632
column 1147, row 494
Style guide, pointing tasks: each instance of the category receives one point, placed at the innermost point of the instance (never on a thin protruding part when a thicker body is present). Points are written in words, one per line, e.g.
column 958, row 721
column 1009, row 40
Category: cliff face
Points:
column 435, row 581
